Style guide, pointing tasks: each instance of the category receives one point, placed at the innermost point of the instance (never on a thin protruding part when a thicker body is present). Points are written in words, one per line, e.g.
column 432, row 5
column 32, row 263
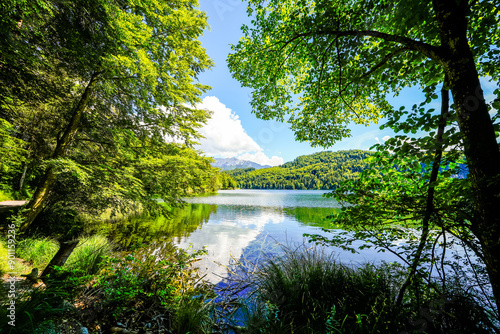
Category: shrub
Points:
column 157, row 283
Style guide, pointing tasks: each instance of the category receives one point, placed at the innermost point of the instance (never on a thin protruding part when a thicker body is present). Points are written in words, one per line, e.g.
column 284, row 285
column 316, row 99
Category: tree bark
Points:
column 65, row 250
column 43, row 189
column 480, row 146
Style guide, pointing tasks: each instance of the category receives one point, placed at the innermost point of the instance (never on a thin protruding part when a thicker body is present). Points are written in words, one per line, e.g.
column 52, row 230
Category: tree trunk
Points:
column 43, row 189
column 480, row 146
column 65, row 250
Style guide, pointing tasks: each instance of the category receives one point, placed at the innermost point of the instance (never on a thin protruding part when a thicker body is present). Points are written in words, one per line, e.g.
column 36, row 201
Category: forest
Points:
column 323, row 170
column 99, row 131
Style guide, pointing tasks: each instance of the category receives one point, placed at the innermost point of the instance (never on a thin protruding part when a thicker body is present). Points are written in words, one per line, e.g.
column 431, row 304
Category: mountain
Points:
column 233, row 163
column 323, row 170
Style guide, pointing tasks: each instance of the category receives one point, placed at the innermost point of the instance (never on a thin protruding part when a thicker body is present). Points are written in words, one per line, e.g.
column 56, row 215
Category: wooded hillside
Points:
column 322, row 170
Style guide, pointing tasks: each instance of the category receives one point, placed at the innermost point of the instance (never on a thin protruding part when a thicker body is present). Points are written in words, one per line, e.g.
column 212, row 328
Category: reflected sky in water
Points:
column 250, row 223
column 241, row 225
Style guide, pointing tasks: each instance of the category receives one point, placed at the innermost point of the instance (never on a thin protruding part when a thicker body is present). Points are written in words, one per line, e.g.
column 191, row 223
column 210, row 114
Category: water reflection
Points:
column 240, row 225
column 134, row 231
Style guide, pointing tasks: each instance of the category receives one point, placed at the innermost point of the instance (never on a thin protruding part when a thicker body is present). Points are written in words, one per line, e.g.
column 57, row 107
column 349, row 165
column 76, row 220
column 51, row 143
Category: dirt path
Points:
column 7, row 205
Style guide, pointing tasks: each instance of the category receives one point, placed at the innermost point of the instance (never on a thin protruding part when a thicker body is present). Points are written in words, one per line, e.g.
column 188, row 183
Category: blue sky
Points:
column 233, row 130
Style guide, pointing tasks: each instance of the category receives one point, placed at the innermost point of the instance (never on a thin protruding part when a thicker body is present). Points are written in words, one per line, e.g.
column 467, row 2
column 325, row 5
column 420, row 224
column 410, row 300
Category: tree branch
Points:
column 428, row 50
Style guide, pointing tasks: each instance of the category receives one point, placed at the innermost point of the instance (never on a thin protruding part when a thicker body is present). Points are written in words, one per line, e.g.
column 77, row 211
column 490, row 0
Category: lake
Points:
column 242, row 224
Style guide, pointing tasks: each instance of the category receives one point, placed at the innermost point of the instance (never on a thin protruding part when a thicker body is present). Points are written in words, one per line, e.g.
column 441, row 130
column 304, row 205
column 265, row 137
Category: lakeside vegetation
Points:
column 304, row 291
column 97, row 122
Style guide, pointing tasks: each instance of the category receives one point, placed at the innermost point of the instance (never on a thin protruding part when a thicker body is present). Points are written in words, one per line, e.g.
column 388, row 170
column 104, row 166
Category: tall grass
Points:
column 38, row 252
column 307, row 291
column 4, row 265
column 88, row 255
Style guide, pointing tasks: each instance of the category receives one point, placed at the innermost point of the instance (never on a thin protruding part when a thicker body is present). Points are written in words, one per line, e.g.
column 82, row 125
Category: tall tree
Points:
column 131, row 68
column 340, row 59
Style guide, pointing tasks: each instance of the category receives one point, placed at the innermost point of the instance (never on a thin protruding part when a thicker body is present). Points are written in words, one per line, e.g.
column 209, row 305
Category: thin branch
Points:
column 430, row 209
column 428, row 50
column 323, row 66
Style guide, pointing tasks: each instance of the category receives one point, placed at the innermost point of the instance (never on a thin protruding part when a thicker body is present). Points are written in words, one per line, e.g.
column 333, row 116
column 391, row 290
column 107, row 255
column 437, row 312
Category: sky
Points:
column 233, row 130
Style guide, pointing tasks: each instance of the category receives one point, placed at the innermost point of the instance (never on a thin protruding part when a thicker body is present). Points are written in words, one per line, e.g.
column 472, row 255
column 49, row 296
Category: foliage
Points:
column 36, row 309
column 321, row 65
column 144, row 180
column 323, row 170
column 225, row 181
column 155, row 289
column 108, row 121
column 5, row 196
column 162, row 289
column 37, row 251
column 308, row 291
column 339, row 59
column 421, row 196
column 4, row 255
column 13, row 156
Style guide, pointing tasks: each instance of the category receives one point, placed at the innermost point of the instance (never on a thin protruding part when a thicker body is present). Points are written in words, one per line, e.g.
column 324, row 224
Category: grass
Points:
column 4, row 265
column 88, row 255
column 37, row 251
column 306, row 291
column 19, row 266
column 86, row 258
column 5, row 196
column 97, row 287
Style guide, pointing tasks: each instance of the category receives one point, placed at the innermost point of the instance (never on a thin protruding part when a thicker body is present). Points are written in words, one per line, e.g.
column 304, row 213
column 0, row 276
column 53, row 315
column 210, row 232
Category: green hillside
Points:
column 323, row 170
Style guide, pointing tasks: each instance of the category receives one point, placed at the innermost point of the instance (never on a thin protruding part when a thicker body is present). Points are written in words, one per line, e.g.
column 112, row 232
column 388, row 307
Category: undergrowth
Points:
column 157, row 289
column 307, row 291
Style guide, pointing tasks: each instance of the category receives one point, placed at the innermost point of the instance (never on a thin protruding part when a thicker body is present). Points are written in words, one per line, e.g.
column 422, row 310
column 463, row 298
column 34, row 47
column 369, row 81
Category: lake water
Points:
column 243, row 224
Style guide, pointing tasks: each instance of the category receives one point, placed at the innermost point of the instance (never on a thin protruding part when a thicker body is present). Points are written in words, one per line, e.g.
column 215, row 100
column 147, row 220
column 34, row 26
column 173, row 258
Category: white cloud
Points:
column 385, row 138
column 225, row 136
column 261, row 158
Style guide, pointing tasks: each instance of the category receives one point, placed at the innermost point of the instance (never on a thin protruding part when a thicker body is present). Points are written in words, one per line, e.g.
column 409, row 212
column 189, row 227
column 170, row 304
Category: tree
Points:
column 129, row 70
column 340, row 59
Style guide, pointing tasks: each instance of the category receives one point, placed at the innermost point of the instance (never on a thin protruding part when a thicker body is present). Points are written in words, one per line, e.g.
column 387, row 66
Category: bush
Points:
column 158, row 283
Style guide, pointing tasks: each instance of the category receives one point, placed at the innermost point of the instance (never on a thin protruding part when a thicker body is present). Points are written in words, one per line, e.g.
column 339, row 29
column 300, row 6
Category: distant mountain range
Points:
column 234, row 163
